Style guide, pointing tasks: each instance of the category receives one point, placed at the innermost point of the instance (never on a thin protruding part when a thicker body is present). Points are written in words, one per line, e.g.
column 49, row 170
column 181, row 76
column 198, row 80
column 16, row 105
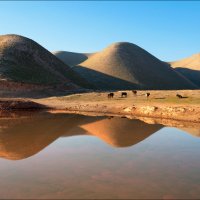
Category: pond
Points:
column 68, row 156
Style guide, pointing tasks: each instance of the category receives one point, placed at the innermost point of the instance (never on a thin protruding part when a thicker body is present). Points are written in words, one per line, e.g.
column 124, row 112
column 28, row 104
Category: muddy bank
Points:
column 20, row 104
column 175, row 112
column 182, row 113
column 160, row 104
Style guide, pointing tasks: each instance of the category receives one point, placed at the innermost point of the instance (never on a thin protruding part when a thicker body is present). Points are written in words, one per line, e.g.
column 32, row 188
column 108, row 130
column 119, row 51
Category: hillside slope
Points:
column 24, row 61
column 71, row 58
column 189, row 67
column 126, row 66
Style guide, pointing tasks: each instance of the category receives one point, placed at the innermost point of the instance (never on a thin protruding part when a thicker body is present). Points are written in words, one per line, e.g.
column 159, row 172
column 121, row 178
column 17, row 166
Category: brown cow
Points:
column 179, row 96
column 134, row 92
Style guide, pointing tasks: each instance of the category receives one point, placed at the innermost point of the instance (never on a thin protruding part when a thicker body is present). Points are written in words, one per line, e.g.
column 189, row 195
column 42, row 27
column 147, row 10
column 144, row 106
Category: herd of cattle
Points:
column 124, row 94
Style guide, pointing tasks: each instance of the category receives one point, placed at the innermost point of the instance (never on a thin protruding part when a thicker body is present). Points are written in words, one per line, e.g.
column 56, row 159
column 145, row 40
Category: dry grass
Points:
column 161, row 97
column 157, row 98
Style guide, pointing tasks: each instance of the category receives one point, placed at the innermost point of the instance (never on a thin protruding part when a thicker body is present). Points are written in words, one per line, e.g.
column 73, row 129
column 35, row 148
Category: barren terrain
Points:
column 160, row 104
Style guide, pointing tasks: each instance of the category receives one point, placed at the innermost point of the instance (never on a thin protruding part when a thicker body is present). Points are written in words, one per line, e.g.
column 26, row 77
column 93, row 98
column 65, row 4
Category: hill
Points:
column 126, row 66
column 189, row 67
column 71, row 58
column 26, row 62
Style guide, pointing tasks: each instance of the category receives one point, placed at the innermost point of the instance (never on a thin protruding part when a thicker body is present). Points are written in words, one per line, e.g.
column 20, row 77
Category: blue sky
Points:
column 169, row 30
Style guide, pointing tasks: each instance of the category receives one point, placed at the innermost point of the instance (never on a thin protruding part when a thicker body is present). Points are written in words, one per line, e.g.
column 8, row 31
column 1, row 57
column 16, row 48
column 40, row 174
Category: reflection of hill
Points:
column 23, row 137
column 192, row 131
column 193, row 128
column 121, row 132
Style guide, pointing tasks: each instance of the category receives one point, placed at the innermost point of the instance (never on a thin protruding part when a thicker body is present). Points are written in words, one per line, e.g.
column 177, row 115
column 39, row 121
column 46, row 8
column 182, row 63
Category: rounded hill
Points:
column 25, row 61
column 192, row 62
column 124, row 65
column 189, row 67
column 71, row 58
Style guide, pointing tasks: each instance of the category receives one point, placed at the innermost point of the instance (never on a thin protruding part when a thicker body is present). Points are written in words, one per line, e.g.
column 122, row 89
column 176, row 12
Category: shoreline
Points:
column 161, row 105
column 178, row 113
column 159, row 112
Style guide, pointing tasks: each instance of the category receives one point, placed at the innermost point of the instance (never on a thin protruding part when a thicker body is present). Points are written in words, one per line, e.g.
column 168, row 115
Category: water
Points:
column 72, row 156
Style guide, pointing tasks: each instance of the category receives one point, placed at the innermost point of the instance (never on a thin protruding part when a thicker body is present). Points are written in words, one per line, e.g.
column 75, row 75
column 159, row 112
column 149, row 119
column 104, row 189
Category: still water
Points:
column 63, row 156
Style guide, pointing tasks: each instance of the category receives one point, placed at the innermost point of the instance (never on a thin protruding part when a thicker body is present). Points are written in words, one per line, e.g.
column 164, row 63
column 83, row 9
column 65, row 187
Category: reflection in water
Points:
column 121, row 132
column 165, row 165
column 192, row 131
column 23, row 137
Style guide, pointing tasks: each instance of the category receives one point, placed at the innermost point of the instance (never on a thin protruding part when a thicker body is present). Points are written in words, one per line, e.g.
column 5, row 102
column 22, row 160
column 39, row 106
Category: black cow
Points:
column 147, row 95
column 124, row 94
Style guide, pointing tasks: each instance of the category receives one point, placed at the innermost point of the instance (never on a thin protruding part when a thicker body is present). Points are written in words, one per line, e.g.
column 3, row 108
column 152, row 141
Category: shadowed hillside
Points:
column 189, row 67
column 129, row 63
column 24, row 61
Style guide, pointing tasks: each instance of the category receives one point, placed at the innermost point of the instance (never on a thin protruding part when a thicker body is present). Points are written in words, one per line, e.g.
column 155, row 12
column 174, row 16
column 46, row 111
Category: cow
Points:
column 134, row 92
column 110, row 95
column 124, row 94
column 179, row 96
column 147, row 95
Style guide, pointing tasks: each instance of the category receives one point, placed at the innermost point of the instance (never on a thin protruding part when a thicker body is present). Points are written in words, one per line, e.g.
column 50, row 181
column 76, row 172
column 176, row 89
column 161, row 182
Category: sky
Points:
column 169, row 30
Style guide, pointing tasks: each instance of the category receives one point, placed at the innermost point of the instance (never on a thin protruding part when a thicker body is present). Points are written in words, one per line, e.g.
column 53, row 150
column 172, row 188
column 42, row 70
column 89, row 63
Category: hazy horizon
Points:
column 168, row 30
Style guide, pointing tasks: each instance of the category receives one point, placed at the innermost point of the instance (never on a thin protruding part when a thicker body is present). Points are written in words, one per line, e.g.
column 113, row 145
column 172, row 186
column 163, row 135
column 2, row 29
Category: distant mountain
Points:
column 24, row 61
column 189, row 67
column 71, row 58
column 126, row 66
